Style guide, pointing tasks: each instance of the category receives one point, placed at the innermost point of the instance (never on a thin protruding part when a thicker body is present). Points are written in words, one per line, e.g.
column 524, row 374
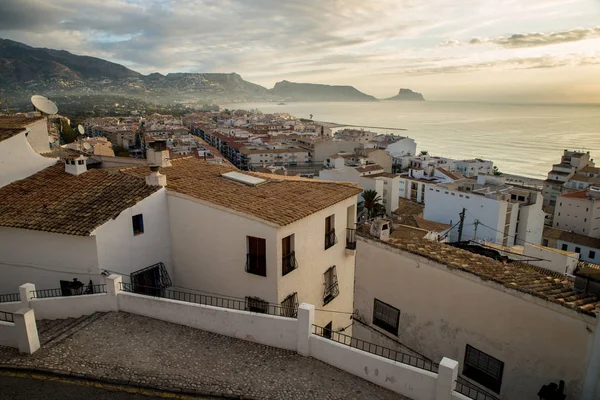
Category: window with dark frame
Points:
column 331, row 285
column 289, row 306
column 592, row 254
column 138, row 224
column 577, row 249
column 386, row 317
column 327, row 330
column 256, row 259
column 565, row 247
column 483, row 369
column 288, row 259
column 330, row 238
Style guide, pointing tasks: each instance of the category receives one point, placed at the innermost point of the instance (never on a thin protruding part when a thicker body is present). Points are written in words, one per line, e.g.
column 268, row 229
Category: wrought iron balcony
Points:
column 288, row 263
column 256, row 264
column 350, row 239
column 330, row 239
column 331, row 292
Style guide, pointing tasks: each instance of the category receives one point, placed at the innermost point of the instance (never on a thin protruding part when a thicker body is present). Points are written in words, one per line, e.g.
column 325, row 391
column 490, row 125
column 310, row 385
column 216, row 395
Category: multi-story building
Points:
column 260, row 155
column 473, row 167
column 425, row 161
column 579, row 212
column 495, row 212
column 587, row 247
column 356, row 135
column 571, row 162
column 582, row 179
column 414, row 182
column 396, row 146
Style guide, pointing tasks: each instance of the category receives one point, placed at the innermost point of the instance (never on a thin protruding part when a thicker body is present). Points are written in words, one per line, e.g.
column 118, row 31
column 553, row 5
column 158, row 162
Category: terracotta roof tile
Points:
column 281, row 200
column 53, row 200
column 367, row 168
column 538, row 282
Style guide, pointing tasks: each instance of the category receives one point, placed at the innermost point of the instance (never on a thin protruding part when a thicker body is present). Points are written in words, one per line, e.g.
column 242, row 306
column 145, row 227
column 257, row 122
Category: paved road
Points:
column 22, row 386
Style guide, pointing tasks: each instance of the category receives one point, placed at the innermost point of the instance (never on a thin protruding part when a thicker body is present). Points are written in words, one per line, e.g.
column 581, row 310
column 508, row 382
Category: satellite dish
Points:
column 44, row 105
column 81, row 129
column 86, row 145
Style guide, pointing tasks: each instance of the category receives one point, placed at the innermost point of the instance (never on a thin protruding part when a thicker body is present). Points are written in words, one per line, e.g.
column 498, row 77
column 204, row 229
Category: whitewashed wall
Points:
column 38, row 136
column 443, row 310
column 44, row 259
column 121, row 251
column 8, row 334
column 71, row 306
column 19, row 160
column 313, row 260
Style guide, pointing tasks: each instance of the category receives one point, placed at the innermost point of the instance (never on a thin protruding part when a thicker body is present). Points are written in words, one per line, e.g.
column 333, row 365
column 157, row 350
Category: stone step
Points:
column 63, row 329
column 55, row 325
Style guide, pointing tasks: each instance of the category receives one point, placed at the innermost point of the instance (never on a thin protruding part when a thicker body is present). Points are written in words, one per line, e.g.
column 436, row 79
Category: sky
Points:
column 463, row 50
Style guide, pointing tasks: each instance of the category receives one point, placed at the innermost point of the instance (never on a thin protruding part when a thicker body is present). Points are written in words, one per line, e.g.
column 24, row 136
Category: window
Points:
column 256, row 304
column 289, row 306
column 513, row 196
column 288, row 259
column 256, row 258
column 565, row 247
column 483, row 369
column 327, row 330
column 545, row 242
column 386, row 317
column 138, row 224
column 592, row 254
column 521, row 198
column 331, row 285
column 577, row 249
column 330, row 238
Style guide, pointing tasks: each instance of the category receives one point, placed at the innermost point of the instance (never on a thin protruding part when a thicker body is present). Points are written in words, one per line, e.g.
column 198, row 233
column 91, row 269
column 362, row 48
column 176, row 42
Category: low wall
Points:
column 71, row 307
column 8, row 334
column 11, row 307
column 269, row 330
column 412, row 382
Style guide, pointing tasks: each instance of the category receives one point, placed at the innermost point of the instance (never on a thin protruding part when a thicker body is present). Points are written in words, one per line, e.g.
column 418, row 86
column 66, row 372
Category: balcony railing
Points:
column 6, row 317
column 256, row 264
column 331, row 292
column 6, row 298
column 85, row 289
column 330, row 239
column 351, row 239
column 289, row 263
column 471, row 391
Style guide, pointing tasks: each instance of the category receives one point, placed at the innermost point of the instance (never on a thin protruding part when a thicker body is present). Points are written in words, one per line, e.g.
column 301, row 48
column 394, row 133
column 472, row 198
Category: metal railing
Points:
column 256, row 264
column 471, row 391
column 376, row 349
column 351, row 239
column 6, row 317
column 330, row 239
column 86, row 289
column 288, row 263
column 196, row 298
column 331, row 292
column 6, row 298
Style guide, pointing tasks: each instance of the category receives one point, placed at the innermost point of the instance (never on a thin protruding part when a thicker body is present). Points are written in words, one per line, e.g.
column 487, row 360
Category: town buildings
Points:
column 474, row 167
column 587, row 247
column 571, row 162
column 579, row 212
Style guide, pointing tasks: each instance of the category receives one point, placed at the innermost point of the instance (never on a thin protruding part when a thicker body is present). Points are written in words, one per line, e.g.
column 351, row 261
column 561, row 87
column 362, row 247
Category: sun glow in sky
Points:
column 473, row 50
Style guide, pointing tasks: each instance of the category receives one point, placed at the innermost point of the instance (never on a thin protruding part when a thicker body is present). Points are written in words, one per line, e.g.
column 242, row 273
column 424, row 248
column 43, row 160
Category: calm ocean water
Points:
column 520, row 139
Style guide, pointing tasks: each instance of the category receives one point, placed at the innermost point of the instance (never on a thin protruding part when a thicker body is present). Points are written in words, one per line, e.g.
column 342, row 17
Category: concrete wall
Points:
column 443, row 310
column 412, row 382
column 322, row 150
column 209, row 247
column 121, row 251
column 19, row 160
column 265, row 329
column 555, row 260
column 313, row 260
column 577, row 215
column 585, row 251
column 44, row 259
column 8, row 334
column 531, row 223
column 71, row 306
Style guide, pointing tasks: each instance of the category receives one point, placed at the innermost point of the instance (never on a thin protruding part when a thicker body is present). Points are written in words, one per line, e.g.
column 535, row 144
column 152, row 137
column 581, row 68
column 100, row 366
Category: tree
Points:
column 67, row 133
column 424, row 152
column 120, row 151
column 371, row 198
column 496, row 171
column 311, row 116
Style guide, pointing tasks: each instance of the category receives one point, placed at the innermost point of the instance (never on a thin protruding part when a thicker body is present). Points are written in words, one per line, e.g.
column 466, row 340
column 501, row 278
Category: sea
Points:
column 519, row 139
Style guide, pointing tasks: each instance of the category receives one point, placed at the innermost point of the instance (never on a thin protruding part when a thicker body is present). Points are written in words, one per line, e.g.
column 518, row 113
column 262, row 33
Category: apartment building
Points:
column 505, row 324
column 356, row 135
column 473, row 167
column 570, row 163
column 260, row 155
column 377, row 156
column 414, row 183
column 587, row 247
column 495, row 212
column 396, row 146
column 584, row 178
column 425, row 161
column 579, row 212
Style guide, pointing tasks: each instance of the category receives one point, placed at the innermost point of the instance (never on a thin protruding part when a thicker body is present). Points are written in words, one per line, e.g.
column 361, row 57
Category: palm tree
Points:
column 496, row 171
column 424, row 152
column 311, row 116
column 371, row 199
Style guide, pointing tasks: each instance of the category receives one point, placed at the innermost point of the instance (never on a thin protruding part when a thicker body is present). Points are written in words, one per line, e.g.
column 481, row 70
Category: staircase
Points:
column 54, row 331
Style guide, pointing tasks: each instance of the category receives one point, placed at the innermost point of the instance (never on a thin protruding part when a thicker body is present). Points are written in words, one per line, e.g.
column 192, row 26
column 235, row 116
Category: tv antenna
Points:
column 81, row 129
column 44, row 105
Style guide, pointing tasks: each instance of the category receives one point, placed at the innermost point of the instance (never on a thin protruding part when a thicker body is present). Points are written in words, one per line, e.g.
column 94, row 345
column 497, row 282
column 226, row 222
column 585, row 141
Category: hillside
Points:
column 315, row 92
column 407, row 95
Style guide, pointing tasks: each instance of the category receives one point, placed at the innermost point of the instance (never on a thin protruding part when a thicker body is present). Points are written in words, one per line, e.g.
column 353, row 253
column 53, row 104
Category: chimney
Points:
column 156, row 178
column 75, row 165
column 158, row 154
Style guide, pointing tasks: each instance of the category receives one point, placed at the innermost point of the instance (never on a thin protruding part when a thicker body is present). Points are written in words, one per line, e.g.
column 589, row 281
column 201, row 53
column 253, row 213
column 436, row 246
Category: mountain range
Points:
column 26, row 70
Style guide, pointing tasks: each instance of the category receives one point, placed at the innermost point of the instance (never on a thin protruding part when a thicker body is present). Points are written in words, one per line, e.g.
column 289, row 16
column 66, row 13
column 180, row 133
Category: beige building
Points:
column 579, row 212
column 571, row 162
column 377, row 156
column 512, row 329
column 283, row 154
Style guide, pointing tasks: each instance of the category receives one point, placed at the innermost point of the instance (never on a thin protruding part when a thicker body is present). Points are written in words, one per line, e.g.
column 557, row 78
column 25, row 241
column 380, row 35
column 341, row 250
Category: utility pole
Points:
column 460, row 225
column 475, row 232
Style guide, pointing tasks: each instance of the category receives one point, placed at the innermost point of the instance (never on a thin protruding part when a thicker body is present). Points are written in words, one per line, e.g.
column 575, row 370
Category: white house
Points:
column 261, row 237
column 579, row 212
column 21, row 141
column 396, row 146
column 587, row 247
column 67, row 222
column 496, row 213
column 473, row 167
column 505, row 324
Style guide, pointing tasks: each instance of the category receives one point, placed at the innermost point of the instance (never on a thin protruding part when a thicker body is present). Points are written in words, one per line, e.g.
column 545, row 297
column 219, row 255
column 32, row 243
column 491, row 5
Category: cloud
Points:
column 536, row 39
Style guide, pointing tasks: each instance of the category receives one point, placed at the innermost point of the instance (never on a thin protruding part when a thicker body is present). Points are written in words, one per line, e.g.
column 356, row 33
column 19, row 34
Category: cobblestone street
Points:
column 123, row 347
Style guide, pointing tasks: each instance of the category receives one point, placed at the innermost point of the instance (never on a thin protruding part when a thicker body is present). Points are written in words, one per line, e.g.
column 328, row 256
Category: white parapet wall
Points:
column 21, row 332
column 71, row 306
column 8, row 334
column 270, row 330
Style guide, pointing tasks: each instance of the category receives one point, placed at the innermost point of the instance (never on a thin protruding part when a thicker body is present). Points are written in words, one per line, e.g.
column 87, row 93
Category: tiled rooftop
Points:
column 544, row 284
column 53, row 200
column 281, row 200
column 576, row 195
column 571, row 237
